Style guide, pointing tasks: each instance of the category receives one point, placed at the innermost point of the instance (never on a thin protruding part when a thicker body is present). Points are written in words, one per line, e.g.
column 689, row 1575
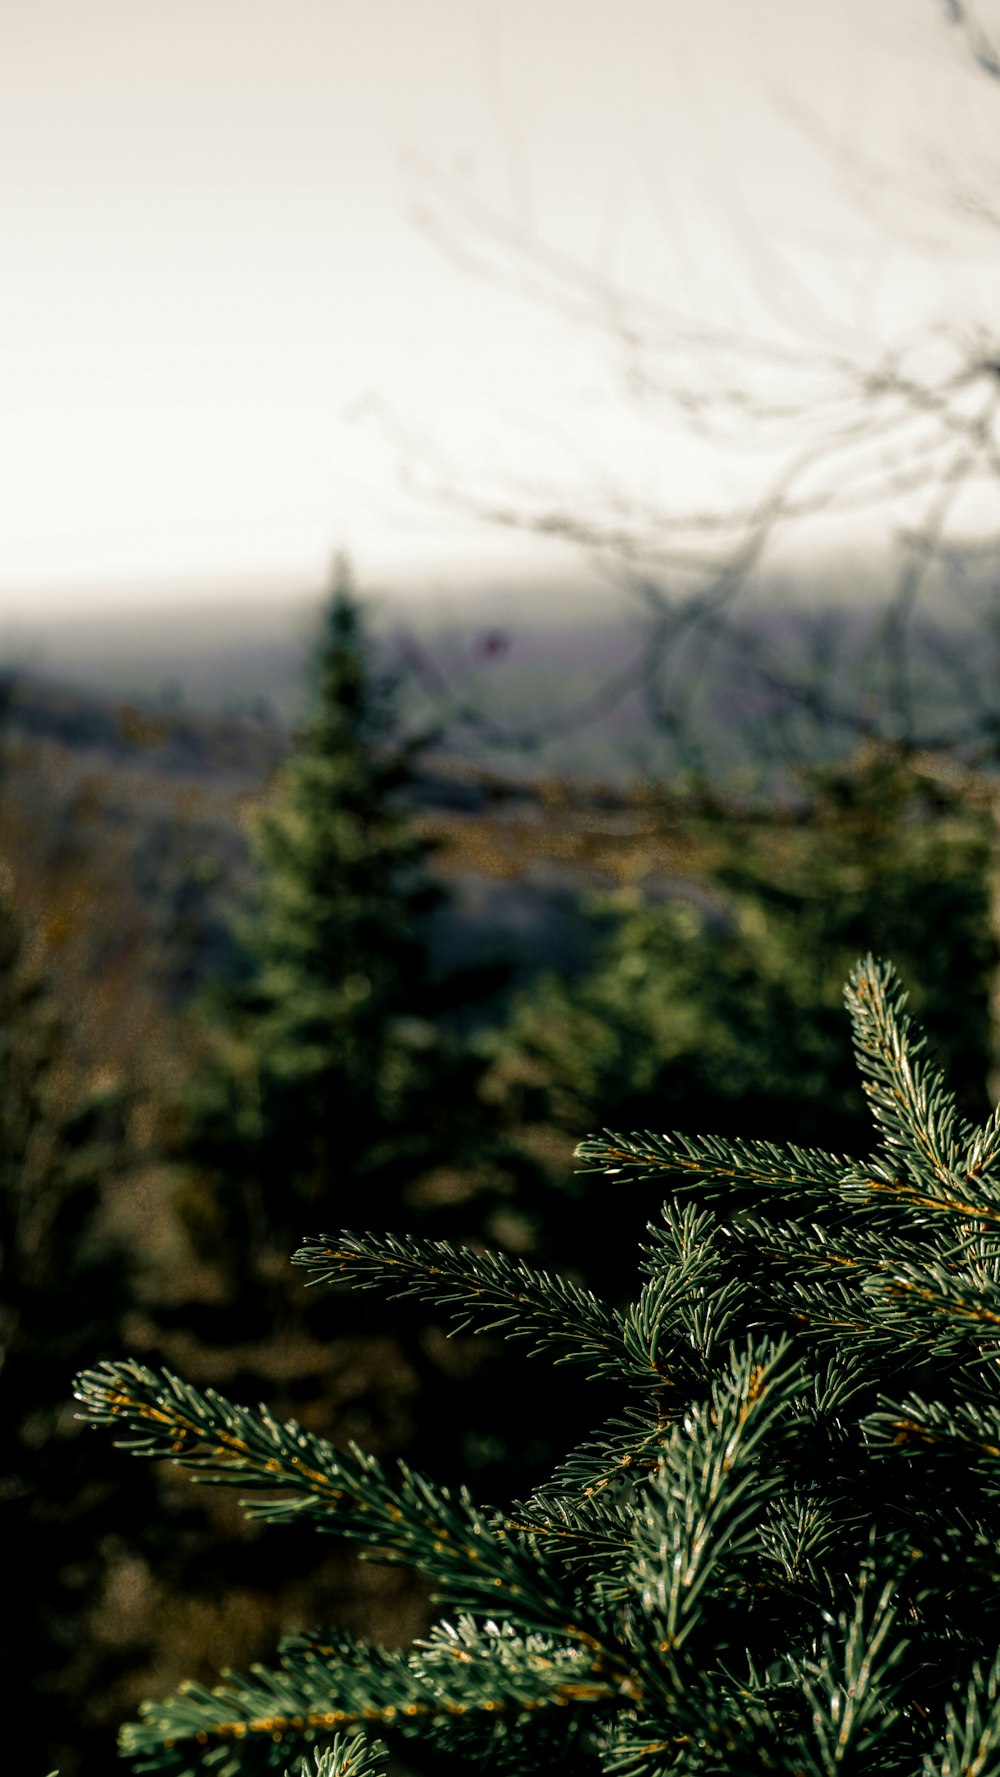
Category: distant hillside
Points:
column 525, row 687
column 124, row 829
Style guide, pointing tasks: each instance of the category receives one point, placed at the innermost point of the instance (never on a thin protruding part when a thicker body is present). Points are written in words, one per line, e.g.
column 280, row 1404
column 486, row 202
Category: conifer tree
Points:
column 65, row 1287
column 691, row 1010
column 778, row 1550
column 324, row 1075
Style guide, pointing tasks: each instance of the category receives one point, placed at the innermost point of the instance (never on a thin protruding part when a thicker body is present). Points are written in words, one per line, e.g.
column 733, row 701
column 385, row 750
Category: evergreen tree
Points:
column 692, row 1009
column 777, row 1553
column 64, row 1290
column 325, row 1075
column 327, row 1080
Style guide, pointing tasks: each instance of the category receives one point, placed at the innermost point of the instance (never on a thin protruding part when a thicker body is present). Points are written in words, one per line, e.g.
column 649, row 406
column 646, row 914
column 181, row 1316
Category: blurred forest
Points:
column 257, row 985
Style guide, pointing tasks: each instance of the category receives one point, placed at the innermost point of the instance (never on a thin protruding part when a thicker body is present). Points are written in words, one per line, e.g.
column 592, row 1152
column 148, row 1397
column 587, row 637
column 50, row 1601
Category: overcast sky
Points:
column 225, row 339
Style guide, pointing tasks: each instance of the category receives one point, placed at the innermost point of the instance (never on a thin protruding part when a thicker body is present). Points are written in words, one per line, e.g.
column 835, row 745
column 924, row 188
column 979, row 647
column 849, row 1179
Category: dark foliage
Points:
column 64, row 1289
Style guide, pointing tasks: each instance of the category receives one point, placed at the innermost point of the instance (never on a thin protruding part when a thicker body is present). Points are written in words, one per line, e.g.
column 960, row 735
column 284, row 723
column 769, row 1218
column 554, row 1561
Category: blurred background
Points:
column 499, row 608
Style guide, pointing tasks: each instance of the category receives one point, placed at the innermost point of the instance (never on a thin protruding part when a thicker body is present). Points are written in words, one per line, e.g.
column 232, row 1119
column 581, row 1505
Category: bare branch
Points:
column 983, row 49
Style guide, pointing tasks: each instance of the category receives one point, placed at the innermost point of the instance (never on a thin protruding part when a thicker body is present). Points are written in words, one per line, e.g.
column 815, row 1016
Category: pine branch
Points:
column 473, row 1560
column 356, row 1757
column 692, row 1300
column 984, row 1149
column 964, row 1430
column 485, row 1291
column 316, row 1691
column 971, row 1200
column 490, row 1666
column 972, row 1744
column 790, row 1174
column 799, row 1716
column 676, row 1334
column 323, row 1686
column 700, row 1517
column 855, row 1248
column 952, row 1309
column 591, row 1540
column 850, row 1690
column 683, row 1243
column 625, row 1452
column 715, row 1725
column 857, row 1282
column 910, row 1099
column 798, row 1531
column 791, row 1177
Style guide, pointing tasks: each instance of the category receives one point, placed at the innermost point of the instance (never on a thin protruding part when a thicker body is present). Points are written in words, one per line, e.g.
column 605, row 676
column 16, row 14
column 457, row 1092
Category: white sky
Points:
column 210, row 284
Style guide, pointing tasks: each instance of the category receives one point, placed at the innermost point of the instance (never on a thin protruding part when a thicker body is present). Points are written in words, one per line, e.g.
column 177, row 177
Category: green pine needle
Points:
column 486, row 1292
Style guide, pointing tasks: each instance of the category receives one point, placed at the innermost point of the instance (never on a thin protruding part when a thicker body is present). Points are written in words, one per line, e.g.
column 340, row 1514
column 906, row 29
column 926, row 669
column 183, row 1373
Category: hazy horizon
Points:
column 510, row 645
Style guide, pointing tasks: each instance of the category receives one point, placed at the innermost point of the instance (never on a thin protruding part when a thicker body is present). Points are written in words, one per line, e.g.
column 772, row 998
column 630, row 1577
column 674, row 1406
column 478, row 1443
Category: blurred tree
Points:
column 64, row 1290
column 324, row 1079
column 695, row 1001
column 329, row 1081
column 327, row 1075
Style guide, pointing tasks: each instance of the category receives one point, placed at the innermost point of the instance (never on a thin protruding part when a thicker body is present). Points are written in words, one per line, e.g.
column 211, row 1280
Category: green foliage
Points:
column 64, row 1289
column 779, row 1556
column 492, row 1290
column 55, row 1138
column 345, row 1758
column 323, row 1072
column 730, row 1009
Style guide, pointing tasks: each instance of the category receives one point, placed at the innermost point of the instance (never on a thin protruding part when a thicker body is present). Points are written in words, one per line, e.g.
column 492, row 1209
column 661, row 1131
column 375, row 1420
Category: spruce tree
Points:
column 322, row 1074
column 777, row 1552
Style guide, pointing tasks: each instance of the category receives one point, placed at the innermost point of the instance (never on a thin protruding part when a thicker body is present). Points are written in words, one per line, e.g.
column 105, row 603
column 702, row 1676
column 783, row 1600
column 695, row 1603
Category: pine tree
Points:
column 324, row 1075
column 65, row 1287
column 328, row 1082
column 776, row 1553
column 691, row 1010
